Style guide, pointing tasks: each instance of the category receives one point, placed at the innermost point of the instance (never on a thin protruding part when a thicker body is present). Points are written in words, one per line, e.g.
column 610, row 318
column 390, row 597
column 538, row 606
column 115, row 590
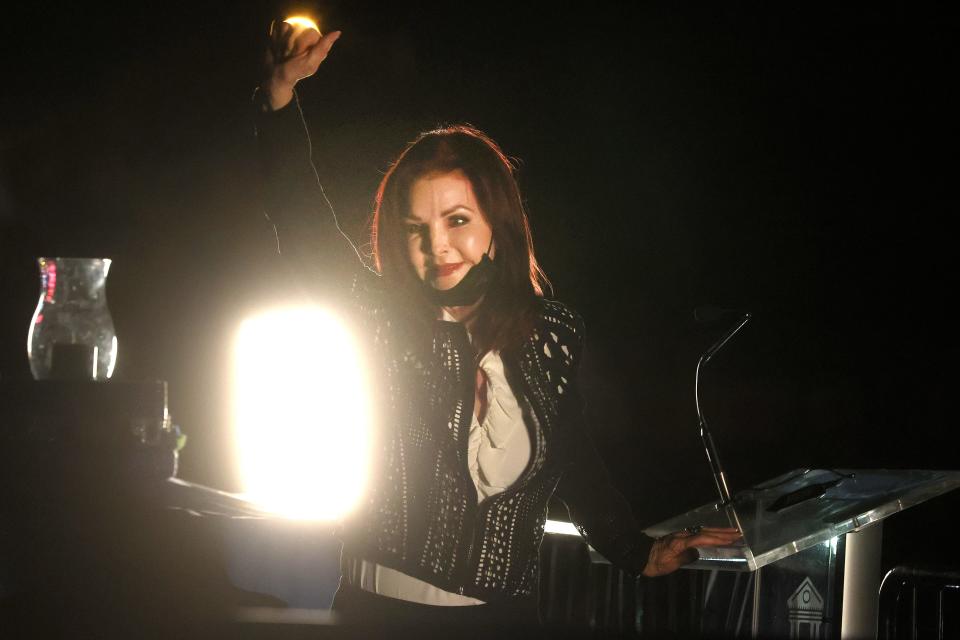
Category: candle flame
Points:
column 302, row 21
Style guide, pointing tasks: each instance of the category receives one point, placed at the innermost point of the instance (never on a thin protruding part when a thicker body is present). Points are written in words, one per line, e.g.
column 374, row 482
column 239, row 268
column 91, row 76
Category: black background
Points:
column 791, row 161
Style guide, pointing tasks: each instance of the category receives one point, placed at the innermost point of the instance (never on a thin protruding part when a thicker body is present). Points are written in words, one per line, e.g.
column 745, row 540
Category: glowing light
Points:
column 302, row 22
column 557, row 526
column 301, row 414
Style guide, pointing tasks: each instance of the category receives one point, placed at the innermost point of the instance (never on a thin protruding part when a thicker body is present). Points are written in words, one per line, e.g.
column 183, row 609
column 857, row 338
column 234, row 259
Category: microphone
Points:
column 712, row 314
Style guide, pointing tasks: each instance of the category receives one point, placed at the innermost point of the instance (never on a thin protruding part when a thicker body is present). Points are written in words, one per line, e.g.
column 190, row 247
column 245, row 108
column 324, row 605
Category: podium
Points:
column 812, row 541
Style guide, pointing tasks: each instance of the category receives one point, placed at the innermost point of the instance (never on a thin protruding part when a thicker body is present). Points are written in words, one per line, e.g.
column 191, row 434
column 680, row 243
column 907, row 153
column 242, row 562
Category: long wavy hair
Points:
column 506, row 315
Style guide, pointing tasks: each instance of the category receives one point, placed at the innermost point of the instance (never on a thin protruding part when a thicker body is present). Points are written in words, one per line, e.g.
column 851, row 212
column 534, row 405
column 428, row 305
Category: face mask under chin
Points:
column 469, row 290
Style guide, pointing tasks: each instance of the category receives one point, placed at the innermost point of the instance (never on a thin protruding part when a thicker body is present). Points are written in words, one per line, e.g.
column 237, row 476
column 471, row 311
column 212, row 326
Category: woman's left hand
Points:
column 672, row 551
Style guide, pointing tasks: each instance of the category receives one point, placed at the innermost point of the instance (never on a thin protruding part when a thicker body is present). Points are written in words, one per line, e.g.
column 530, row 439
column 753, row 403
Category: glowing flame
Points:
column 303, row 22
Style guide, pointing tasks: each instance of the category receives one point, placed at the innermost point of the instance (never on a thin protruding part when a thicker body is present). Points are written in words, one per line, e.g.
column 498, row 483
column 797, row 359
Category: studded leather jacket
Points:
column 420, row 515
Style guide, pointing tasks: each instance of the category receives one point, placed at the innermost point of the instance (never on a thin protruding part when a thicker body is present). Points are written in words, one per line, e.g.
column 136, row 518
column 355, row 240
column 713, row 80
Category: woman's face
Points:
column 446, row 231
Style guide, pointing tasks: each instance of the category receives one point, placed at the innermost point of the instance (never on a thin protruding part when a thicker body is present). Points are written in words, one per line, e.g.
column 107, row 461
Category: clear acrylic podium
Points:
column 813, row 539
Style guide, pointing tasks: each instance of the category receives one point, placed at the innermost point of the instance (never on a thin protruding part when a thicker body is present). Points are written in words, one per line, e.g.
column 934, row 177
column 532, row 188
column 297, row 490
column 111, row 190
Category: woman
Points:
column 476, row 389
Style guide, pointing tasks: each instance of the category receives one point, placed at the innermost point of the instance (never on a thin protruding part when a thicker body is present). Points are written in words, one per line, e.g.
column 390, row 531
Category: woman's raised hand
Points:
column 672, row 551
column 294, row 52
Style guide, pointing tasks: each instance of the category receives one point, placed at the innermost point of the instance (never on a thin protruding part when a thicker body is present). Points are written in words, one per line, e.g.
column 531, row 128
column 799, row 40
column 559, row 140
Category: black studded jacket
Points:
column 420, row 515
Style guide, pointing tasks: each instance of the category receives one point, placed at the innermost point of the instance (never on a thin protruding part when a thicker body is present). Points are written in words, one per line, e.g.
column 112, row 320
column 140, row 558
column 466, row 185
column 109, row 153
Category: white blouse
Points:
column 498, row 451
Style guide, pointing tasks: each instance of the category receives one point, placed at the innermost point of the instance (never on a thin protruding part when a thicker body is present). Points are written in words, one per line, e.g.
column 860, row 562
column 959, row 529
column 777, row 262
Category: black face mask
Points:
column 470, row 289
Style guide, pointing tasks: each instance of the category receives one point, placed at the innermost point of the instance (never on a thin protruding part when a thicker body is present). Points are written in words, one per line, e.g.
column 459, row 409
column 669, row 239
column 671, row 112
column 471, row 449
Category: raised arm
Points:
column 308, row 235
column 293, row 53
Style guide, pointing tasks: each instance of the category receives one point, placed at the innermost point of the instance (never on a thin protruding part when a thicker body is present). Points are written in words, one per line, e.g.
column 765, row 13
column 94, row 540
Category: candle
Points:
column 305, row 34
column 301, row 24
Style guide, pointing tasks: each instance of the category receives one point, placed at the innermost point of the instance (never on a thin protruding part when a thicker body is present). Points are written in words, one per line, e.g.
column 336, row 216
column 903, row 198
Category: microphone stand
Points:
column 713, row 456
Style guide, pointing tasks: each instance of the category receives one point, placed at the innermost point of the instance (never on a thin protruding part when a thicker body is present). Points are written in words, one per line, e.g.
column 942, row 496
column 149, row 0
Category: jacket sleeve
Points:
column 600, row 512
column 308, row 234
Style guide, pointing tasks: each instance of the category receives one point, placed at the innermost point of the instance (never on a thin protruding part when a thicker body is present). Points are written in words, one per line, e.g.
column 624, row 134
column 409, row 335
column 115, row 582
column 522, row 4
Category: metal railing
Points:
column 918, row 603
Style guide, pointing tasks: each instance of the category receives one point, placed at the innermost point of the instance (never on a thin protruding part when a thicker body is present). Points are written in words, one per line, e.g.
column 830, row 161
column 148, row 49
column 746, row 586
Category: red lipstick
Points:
column 446, row 269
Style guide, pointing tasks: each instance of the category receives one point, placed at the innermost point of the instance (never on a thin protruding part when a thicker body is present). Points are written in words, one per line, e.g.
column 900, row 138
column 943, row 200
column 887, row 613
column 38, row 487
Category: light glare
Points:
column 558, row 526
column 301, row 414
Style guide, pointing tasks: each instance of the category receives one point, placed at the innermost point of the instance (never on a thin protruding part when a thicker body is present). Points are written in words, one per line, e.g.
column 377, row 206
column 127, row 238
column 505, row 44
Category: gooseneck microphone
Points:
column 711, row 314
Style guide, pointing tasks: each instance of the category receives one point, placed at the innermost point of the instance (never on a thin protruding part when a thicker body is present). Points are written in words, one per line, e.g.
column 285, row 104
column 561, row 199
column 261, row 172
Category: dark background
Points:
column 791, row 161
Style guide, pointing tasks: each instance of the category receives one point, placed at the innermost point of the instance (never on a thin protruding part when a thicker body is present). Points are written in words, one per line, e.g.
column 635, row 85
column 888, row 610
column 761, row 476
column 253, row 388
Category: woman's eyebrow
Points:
column 455, row 208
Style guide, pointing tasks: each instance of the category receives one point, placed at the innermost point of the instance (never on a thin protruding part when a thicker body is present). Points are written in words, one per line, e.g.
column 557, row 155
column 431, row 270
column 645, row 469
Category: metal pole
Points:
column 861, row 583
column 755, row 614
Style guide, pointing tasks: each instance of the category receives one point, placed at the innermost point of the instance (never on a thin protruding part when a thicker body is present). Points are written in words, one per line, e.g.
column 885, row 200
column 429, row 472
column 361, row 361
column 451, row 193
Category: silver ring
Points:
column 693, row 530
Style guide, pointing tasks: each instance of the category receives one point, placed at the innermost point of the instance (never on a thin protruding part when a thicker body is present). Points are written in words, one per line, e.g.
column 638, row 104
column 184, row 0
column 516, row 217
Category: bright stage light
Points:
column 302, row 415
column 558, row 526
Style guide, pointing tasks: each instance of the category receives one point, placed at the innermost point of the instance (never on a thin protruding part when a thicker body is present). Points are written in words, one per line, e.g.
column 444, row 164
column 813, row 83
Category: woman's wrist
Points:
column 276, row 95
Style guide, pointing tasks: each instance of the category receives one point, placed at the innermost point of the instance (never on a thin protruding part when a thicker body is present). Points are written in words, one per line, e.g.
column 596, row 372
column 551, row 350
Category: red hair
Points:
column 507, row 312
